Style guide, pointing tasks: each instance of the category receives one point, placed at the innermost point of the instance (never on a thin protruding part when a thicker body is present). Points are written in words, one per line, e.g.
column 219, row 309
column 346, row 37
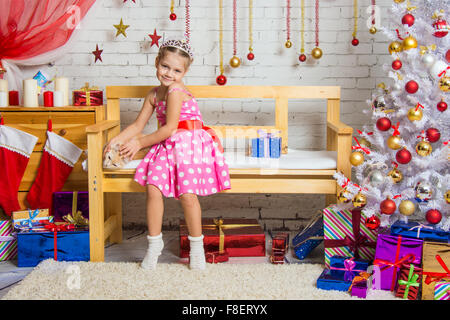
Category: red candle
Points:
column 13, row 98
column 48, row 98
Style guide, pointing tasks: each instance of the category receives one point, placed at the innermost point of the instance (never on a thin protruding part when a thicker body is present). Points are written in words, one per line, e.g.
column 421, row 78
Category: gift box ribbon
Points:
column 30, row 222
column 55, row 229
column 8, row 238
column 197, row 124
column 76, row 217
column 87, row 90
column 221, row 226
column 362, row 277
column 359, row 241
column 411, row 281
column 419, row 227
column 437, row 276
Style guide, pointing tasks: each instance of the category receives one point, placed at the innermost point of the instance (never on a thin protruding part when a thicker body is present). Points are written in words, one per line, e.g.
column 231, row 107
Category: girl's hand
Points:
column 129, row 149
column 108, row 147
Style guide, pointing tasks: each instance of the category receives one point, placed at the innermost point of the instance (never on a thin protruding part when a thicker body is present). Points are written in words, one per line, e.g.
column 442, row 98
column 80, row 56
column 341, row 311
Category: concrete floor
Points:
column 133, row 248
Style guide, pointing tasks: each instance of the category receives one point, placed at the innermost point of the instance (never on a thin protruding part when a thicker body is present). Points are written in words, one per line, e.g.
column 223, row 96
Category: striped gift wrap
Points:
column 442, row 290
column 8, row 243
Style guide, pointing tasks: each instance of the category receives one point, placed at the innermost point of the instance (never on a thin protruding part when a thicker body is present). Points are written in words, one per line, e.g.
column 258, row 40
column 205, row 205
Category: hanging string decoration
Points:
column 221, row 79
column 187, row 34
column 317, row 52
column 250, row 55
column 235, row 61
column 288, row 42
column 373, row 29
column 172, row 15
column 302, row 56
column 355, row 41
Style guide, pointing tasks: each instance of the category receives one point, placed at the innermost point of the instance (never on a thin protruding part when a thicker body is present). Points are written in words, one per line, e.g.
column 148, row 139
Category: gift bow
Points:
column 363, row 276
column 419, row 228
column 411, row 281
column 76, row 217
column 349, row 268
column 88, row 90
column 358, row 146
column 32, row 215
column 436, row 276
column 55, row 228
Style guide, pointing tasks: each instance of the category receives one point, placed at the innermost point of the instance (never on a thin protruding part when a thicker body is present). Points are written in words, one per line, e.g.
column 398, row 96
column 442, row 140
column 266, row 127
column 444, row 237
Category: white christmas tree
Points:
column 401, row 159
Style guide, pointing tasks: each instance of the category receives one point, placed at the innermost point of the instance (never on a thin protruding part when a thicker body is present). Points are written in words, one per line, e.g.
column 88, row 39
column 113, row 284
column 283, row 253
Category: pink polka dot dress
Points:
column 189, row 161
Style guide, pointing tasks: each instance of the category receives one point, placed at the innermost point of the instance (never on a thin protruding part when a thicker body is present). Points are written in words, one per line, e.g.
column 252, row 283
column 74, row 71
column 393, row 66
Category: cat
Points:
column 113, row 159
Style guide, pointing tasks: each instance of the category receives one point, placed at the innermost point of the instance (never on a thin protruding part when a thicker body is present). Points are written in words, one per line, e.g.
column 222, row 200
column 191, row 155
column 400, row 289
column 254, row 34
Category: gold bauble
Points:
column 444, row 84
column 406, row 207
column 356, row 158
column 235, row 62
column 393, row 142
column 447, row 196
column 395, row 47
column 288, row 44
column 399, row 1
column 342, row 198
column 316, row 53
column 373, row 30
column 365, row 143
column 395, row 175
column 424, row 148
column 415, row 115
column 359, row 200
column 409, row 43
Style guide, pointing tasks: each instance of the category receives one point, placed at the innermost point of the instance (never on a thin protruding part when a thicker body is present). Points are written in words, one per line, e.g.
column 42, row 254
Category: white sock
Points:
column 155, row 246
column 197, row 253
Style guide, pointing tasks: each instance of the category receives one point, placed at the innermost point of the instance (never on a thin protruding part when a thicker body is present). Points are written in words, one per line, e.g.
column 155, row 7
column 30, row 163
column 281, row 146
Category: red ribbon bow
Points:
column 422, row 135
column 436, row 276
column 366, row 150
column 419, row 106
column 361, row 133
column 55, row 228
column 443, row 72
column 196, row 125
column 396, row 132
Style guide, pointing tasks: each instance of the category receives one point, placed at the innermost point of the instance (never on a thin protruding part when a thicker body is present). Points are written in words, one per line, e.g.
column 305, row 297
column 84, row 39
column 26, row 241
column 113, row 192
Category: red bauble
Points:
column 387, row 206
column 302, row 57
column 433, row 216
column 442, row 106
column 403, row 156
column 408, row 19
column 355, row 42
column 383, row 124
column 447, row 56
column 372, row 222
column 411, row 86
column 440, row 28
column 250, row 56
column 433, row 135
column 221, row 80
column 396, row 64
column 173, row 16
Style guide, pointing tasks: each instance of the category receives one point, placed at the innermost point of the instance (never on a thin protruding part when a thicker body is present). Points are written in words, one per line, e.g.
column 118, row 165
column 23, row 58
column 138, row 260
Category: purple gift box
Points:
column 359, row 290
column 64, row 202
column 391, row 252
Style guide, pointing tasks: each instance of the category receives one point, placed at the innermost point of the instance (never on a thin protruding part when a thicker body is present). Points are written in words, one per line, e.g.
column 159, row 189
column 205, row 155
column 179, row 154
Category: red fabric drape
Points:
column 32, row 27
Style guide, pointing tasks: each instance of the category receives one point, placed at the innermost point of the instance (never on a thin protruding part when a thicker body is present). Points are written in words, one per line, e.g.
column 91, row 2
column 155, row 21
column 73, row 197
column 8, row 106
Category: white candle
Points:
column 62, row 84
column 3, row 99
column 30, row 93
column 58, row 99
column 4, row 88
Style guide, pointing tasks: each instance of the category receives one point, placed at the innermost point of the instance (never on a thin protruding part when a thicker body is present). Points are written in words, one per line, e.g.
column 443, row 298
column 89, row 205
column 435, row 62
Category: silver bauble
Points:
column 424, row 191
column 376, row 178
column 428, row 60
column 379, row 103
column 397, row 86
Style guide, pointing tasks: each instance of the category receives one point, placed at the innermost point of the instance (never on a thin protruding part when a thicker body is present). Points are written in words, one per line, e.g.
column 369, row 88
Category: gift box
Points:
column 216, row 257
column 280, row 242
column 359, row 288
column 30, row 218
column 238, row 237
column 8, row 242
column 391, row 253
column 277, row 257
column 348, row 264
column 442, row 290
column 409, row 279
column 87, row 96
column 340, row 281
column 67, row 204
column 435, row 267
column 420, row 231
column 345, row 234
column 309, row 238
column 266, row 145
column 34, row 246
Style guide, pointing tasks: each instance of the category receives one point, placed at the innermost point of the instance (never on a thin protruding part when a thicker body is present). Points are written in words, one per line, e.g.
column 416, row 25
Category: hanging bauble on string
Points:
column 409, row 43
column 221, row 80
column 235, row 62
column 372, row 222
column 396, row 175
column 373, row 30
column 444, row 84
column 387, row 206
column 316, row 53
column 406, row 207
column 433, row 216
column 172, row 15
column 403, row 156
column 423, row 191
column 440, row 26
column 356, row 158
column 411, row 86
column 383, row 124
column 250, row 55
column 359, row 200
column 396, row 64
column 415, row 114
column 302, row 57
column 424, row 148
column 376, row 178
column 288, row 44
column 393, row 142
column 442, row 105
column 395, row 46
column 408, row 19
column 433, row 135
column 355, row 42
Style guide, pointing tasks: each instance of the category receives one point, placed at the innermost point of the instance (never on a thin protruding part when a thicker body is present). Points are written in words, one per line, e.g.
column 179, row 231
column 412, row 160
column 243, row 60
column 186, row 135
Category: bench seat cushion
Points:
column 294, row 159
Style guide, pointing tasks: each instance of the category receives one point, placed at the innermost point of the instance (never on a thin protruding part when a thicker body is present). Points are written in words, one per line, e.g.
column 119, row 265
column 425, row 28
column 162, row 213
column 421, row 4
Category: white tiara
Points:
column 183, row 45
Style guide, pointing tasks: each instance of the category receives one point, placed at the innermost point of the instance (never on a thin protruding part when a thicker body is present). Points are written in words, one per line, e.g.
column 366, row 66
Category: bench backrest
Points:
column 281, row 95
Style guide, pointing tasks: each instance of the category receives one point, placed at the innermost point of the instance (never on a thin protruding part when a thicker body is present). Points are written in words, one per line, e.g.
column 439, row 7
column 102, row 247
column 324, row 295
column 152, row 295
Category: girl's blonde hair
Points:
column 163, row 51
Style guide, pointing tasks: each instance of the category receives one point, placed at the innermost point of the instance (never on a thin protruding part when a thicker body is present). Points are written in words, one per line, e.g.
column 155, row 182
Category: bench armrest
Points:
column 102, row 126
column 339, row 127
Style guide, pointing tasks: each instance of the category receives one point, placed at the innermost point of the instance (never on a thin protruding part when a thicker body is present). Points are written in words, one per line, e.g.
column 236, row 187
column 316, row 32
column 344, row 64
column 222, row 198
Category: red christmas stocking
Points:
column 58, row 159
column 15, row 149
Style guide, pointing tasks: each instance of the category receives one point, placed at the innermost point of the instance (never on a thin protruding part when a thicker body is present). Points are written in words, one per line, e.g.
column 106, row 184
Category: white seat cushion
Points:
column 294, row 159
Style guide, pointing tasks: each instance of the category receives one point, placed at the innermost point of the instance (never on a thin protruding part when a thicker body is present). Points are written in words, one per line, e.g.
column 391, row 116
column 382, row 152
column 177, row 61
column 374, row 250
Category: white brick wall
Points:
column 130, row 61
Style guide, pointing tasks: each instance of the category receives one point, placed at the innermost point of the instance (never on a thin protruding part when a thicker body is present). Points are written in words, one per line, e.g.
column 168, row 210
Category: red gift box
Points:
column 238, row 237
column 280, row 242
column 277, row 258
column 87, row 96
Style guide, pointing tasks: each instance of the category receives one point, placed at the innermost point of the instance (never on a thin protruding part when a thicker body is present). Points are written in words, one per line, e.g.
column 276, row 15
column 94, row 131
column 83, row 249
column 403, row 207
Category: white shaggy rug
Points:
column 175, row 281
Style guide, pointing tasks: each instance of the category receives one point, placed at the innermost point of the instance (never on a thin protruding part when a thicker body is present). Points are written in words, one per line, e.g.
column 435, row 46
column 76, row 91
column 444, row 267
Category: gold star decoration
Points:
column 121, row 28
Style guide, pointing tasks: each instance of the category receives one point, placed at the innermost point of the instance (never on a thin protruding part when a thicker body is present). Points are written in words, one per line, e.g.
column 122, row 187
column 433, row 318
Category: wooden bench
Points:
column 106, row 205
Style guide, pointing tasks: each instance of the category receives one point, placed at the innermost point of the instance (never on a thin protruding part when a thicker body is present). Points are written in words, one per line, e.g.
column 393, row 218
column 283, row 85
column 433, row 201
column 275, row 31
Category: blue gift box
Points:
column 267, row 145
column 342, row 264
column 309, row 238
column 33, row 247
column 340, row 281
column 275, row 147
column 420, row 231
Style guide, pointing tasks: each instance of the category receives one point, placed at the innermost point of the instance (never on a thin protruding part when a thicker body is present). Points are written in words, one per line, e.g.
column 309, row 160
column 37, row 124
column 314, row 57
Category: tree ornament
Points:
column 387, row 206
column 343, row 196
column 395, row 175
column 408, row 19
column 359, row 200
column 221, row 80
column 444, row 84
column 302, row 57
column 172, row 15
column 379, row 104
column 433, row 135
column 376, row 178
column 399, row 1
column 356, row 158
column 372, row 222
column 415, row 114
column 423, row 191
column 155, row 38
column 396, row 64
column 355, row 42
column 395, row 46
column 433, row 216
column 393, row 142
column 439, row 68
column 373, row 30
column 98, row 54
column 428, row 60
column 447, row 197
column 442, row 105
column 383, row 124
column 121, row 28
column 423, row 148
column 406, row 207
column 403, row 156
column 409, row 43
column 411, row 86
column 316, row 53
column 187, row 10
column 288, row 42
column 364, row 142
column 235, row 62
column 440, row 26
column 250, row 55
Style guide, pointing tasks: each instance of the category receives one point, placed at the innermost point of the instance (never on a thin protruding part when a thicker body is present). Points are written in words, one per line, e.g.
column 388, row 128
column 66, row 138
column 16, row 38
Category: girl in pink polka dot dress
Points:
column 185, row 159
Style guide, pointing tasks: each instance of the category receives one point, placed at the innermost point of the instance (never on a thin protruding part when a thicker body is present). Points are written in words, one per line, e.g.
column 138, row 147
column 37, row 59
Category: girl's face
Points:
column 170, row 68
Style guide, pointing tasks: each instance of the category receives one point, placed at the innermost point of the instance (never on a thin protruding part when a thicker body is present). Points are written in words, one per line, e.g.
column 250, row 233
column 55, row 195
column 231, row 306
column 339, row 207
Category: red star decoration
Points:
column 155, row 39
column 98, row 54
